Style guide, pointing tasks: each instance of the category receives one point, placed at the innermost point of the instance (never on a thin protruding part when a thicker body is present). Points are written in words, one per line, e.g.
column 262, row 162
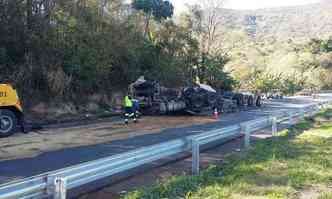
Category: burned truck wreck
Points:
column 157, row 100
column 244, row 99
column 200, row 98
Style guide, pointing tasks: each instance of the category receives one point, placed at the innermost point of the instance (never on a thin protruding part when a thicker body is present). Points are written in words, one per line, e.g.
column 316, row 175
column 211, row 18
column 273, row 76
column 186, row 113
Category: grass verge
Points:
column 295, row 164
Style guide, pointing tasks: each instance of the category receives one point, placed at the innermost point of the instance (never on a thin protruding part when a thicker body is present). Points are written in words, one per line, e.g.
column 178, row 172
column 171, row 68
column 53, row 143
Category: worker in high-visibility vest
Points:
column 129, row 109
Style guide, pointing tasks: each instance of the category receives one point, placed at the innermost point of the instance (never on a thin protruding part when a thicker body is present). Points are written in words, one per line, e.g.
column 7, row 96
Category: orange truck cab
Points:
column 11, row 111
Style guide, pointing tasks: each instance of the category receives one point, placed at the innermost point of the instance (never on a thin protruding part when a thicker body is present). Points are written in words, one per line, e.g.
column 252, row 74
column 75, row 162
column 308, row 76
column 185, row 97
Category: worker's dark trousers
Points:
column 129, row 113
column 22, row 124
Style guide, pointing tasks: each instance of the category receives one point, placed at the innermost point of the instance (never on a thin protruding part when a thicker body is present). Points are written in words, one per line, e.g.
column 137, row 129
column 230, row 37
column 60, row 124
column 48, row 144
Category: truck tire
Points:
column 8, row 123
column 259, row 102
column 250, row 101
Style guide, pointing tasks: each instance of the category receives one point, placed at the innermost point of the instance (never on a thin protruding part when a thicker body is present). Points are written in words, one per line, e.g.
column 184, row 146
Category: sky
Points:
column 246, row 4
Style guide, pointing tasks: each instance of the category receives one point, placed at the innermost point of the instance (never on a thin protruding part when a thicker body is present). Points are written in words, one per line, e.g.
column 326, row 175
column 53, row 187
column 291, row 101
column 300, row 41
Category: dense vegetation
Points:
column 294, row 164
column 288, row 66
column 287, row 49
column 61, row 49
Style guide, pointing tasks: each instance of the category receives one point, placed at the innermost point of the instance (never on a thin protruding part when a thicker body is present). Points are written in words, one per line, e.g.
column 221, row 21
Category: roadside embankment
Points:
column 295, row 164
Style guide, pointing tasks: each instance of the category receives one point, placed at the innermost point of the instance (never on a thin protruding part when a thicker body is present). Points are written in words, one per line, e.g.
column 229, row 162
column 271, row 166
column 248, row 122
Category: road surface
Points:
column 50, row 155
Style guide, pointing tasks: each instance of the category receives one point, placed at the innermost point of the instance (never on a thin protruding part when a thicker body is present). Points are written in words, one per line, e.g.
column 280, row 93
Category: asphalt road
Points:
column 49, row 161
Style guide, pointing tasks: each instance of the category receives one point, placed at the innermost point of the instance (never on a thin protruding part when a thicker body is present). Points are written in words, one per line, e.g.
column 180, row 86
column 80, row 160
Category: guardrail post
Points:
column 195, row 157
column 291, row 118
column 274, row 126
column 302, row 114
column 246, row 131
column 311, row 111
column 60, row 188
column 314, row 110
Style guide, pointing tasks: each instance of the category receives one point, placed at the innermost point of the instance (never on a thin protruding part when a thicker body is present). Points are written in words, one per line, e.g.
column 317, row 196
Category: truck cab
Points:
column 11, row 111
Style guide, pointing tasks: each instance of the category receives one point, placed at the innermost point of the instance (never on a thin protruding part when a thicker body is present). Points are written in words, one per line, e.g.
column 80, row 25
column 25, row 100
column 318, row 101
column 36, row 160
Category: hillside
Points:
column 309, row 21
column 281, row 48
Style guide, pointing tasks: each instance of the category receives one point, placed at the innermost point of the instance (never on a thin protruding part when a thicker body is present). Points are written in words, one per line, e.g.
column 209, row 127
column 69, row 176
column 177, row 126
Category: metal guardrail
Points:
column 56, row 184
column 325, row 91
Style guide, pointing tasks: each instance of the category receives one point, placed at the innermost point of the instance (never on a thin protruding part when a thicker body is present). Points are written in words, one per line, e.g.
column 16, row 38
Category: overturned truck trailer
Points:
column 244, row 99
column 201, row 98
column 155, row 99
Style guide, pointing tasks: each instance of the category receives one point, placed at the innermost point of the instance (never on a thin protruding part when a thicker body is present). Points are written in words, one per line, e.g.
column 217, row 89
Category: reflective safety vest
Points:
column 128, row 102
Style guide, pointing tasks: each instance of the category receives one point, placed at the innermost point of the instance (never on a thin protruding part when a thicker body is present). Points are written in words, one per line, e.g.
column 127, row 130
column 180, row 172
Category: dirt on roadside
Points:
column 37, row 142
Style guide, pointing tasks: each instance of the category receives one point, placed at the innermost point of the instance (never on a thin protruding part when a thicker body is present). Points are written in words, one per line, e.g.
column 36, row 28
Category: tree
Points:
column 159, row 9
column 327, row 45
column 215, row 74
column 206, row 22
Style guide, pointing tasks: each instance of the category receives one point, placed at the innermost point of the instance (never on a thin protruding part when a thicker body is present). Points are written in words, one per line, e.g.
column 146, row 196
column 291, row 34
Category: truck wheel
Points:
column 259, row 102
column 8, row 122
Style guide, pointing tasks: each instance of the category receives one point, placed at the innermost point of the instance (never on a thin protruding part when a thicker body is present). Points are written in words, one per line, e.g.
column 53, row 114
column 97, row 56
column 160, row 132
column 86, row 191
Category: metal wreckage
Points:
column 197, row 99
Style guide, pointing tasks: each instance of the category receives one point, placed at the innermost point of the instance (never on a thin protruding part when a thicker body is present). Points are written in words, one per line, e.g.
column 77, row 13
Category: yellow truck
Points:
column 11, row 111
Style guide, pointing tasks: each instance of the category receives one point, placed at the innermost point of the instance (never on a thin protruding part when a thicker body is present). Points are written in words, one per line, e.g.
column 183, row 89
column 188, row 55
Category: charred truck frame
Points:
column 155, row 99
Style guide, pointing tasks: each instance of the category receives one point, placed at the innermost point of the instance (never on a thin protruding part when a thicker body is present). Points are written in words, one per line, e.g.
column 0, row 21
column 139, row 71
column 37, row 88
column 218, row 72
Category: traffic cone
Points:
column 216, row 114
